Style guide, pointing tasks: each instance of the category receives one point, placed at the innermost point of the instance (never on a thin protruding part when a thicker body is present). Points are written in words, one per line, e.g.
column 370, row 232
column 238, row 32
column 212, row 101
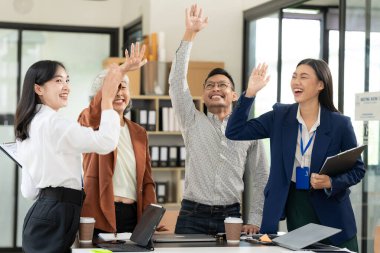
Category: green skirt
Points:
column 300, row 212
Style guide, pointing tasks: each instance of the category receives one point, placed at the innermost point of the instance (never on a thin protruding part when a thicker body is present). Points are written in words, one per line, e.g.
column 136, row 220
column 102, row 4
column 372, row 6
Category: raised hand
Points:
column 257, row 80
column 110, row 86
column 194, row 20
column 135, row 59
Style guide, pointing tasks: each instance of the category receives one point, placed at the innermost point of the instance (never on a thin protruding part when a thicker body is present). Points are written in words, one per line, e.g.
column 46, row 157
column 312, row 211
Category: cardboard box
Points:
column 134, row 76
column 198, row 71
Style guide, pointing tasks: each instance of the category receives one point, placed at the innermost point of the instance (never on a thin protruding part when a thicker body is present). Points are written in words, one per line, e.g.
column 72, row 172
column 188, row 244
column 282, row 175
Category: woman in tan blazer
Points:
column 118, row 185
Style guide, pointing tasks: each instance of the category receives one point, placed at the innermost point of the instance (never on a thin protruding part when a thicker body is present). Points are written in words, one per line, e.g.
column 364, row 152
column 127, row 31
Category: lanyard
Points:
column 303, row 151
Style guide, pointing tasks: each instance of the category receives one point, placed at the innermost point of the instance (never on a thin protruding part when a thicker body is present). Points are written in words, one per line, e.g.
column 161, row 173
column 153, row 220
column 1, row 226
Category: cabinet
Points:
column 163, row 133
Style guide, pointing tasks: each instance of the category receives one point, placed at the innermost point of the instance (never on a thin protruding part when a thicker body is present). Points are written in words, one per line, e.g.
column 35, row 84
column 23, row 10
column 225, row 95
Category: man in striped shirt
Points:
column 215, row 165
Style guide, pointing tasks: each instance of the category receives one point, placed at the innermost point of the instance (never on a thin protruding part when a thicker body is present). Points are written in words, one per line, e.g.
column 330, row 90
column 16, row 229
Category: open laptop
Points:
column 183, row 238
column 307, row 238
column 141, row 238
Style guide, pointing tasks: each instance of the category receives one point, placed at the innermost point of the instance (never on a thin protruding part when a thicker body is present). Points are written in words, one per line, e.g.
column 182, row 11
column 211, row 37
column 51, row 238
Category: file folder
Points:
column 155, row 155
column 173, row 157
column 164, row 156
column 10, row 149
column 341, row 162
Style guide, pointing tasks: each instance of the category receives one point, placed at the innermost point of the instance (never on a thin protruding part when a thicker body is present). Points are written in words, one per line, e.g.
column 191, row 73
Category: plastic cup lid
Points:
column 233, row 220
column 87, row 220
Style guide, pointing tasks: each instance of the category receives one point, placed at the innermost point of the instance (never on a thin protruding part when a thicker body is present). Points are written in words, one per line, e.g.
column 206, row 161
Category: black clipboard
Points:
column 10, row 149
column 341, row 162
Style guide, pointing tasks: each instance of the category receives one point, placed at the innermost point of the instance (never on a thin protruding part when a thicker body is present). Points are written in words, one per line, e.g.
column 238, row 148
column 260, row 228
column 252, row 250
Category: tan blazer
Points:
column 99, row 169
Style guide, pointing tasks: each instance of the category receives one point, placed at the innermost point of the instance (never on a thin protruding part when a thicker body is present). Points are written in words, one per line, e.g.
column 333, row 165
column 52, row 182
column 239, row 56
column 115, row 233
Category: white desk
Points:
column 256, row 249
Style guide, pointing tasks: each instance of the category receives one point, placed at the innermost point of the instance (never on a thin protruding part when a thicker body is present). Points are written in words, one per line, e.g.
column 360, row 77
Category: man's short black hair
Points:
column 220, row 71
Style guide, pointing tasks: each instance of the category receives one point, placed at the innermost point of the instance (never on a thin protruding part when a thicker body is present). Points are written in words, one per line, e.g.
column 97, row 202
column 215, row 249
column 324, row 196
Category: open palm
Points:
column 135, row 59
column 194, row 20
column 258, row 79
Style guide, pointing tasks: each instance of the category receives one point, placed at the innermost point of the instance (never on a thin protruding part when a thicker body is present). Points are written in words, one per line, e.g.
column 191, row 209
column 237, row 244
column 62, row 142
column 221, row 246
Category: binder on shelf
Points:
column 182, row 156
column 162, row 192
column 143, row 118
column 135, row 115
column 164, row 119
column 171, row 120
column 173, row 156
column 155, row 156
column 151, row 126
column 163, row 156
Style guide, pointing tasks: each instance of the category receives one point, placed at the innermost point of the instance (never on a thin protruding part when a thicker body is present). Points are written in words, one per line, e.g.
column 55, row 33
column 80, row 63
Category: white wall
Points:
column 67, row 12
column 222, row 40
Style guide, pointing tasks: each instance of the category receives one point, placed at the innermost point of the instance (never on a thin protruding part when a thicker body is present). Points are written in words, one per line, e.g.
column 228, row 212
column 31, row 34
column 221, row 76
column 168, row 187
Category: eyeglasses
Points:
column 222, row 85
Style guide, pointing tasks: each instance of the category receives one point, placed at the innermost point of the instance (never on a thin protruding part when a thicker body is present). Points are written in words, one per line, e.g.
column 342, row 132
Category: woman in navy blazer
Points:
column 312, row 121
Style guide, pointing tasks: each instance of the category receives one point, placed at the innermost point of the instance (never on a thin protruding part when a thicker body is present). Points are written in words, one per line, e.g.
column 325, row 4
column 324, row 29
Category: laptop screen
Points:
column 305, row 236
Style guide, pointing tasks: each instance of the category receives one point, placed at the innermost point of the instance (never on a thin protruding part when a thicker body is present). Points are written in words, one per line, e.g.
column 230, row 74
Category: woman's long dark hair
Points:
column 39, row 73
column 323, row 73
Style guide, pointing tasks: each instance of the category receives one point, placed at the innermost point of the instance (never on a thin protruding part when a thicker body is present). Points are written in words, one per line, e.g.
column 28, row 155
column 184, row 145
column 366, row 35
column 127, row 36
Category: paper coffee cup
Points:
column 86, row 229
column 233, row 227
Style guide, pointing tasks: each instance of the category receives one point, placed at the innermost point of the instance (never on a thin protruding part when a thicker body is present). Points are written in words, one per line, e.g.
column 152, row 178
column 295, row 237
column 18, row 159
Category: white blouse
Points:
column 124, row 177
column 51, row 156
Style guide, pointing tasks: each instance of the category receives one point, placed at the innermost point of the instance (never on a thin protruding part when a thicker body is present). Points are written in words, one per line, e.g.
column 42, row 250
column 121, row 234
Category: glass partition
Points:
column 8, row 100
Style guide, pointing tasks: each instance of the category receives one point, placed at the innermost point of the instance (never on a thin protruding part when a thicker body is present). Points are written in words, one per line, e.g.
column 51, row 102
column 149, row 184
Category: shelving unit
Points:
column 171, row 176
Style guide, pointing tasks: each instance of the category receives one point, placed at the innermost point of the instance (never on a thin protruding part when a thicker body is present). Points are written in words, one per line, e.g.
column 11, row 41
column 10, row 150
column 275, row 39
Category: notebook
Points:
column 306, row 238
column 341, row 162
column 142, row 234
column 10, row 149
column 183, row 238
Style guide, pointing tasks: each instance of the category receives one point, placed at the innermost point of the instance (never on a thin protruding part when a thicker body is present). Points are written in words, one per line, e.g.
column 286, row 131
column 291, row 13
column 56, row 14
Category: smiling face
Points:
column 54, row 93
column 122, row 98
column 218, row 92
column 305, row 84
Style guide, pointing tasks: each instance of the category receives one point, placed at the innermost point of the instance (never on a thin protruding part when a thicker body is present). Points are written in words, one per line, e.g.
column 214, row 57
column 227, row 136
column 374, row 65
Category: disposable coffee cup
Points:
column 233, row 227
column 86, row 229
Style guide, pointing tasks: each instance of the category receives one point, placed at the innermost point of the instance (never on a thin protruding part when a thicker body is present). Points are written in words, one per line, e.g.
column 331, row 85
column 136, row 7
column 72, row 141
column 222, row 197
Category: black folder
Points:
column 341, row 162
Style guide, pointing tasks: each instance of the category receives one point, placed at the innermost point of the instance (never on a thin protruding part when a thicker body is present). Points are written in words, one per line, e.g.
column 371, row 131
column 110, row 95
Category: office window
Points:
column 82, row 52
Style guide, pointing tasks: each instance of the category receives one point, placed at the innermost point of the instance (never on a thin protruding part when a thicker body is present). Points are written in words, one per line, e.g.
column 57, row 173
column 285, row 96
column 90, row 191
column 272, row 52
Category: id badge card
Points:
column 302, row 178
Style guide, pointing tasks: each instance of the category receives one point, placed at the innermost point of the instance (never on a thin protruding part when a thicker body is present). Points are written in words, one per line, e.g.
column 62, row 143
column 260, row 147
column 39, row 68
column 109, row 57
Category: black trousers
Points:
column 51, row 224
column 126, row 218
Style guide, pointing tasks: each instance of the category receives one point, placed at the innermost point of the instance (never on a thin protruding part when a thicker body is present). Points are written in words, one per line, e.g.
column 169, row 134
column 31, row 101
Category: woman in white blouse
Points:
column 50, row 150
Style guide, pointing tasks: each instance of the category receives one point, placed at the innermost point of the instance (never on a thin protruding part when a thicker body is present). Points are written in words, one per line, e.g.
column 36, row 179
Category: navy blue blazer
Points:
column 334, row 135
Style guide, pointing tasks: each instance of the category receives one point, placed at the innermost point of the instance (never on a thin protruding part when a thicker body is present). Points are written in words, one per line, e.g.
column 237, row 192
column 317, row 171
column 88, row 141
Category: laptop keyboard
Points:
column 123, row 247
